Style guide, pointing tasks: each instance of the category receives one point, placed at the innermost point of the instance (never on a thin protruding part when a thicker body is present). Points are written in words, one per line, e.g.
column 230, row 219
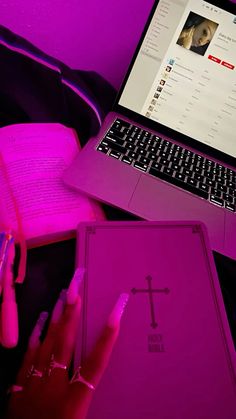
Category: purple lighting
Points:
column 51, row 66
column 97, row 36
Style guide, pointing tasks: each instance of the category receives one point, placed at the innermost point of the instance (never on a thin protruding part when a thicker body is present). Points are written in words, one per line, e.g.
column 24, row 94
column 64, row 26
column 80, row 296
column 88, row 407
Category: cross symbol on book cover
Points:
column 150, row 291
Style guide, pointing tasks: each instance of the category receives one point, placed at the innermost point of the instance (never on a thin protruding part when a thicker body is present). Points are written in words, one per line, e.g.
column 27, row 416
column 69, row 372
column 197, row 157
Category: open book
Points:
column 174, row 357
column 32, row 159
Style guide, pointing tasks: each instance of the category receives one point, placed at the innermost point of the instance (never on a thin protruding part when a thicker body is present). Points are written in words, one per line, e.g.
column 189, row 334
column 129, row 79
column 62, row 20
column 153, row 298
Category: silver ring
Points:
column 15, row 389
column 54, row 364
column 33, row 372
column 77, row 377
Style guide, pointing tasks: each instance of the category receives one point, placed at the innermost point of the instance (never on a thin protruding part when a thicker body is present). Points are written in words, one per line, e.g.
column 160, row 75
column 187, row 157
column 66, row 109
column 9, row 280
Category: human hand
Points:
column 188, row 39
column 43, row 388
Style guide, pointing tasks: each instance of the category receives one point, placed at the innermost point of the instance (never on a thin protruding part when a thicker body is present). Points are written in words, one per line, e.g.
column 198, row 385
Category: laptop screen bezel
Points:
column 162, row 129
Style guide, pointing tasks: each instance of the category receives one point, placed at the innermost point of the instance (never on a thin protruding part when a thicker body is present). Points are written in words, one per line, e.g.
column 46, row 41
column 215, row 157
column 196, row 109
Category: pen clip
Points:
column 8, row 239
column 9, row 312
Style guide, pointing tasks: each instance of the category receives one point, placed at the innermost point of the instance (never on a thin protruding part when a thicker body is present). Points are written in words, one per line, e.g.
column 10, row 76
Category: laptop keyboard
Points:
column 165, row 160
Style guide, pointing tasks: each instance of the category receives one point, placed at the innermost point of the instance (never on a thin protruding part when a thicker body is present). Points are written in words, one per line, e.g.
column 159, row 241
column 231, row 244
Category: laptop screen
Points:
column 184, row 76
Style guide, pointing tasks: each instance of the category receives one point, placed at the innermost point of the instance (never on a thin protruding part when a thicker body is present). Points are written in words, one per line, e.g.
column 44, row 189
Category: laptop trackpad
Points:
column 156, row 200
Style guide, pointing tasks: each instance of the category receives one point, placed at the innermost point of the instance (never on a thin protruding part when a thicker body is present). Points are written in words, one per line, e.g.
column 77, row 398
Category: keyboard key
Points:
column 144, row 160
column 175, row 160
column 156, row 166
column 216, row 171
column 179, row 176
column 226, row 176
column 156, row 138
column 130, row 140
column 186, row 165
column 115, row 140
column 163, row 154
column 166, row 143
column 175, row 166
column 141, row 166
column 228, row 198
column 168, row 171
column 164, row 161
column 220, row 167
column 152, row 156
column 132, row 154
column 204, row 187
column 232, row 192
column 230, row 172
column 139, row 137
column 145, row 139
column 113, row 146
column 189, row 153
column 219, row 179
column 141, row 144
column 198, row 177
column 209, row 175
column 151, row 142
column 115, row 154
column 114, row 133
column 191, row 181
column 103, row 148
column 169, row 151
column 197, row 170
column 221, row 188
column 215, row 192
column 210, row 182
column 230, row 207
column 147, row 134
column 180, row 156
column 120, row 122
column 141, row 152
column 135, row 131
column 217, row 200
column 152, row 149
column 210, row 163
column 177, row 148
column 127, row 160
column 187, row 172
column 231, row 185
column 130, row 146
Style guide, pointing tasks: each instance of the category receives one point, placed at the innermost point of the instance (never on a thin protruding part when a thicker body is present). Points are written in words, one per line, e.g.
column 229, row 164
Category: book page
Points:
column 35, row 156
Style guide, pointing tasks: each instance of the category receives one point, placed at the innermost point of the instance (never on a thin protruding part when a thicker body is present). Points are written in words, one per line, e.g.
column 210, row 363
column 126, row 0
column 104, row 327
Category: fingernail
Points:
column 74, row 287
column 59, row 307
column 118, row 310
column 37, row 330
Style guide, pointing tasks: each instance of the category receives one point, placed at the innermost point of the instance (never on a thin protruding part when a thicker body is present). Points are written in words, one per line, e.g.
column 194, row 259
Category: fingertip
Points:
column 34, row 339
column 72, row 310
column 59, row 307
column 118, row 311
column 75, row 285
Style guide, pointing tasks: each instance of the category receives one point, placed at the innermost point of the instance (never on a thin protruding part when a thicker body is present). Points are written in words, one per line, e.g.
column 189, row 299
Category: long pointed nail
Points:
column 59, row 307
column 37, row 330
column 74, row 287
column 118, row 310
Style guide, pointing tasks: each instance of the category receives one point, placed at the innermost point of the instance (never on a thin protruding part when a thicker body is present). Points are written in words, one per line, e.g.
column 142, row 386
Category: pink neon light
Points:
column 29, row 55
column 54, row 68
column 85, row 98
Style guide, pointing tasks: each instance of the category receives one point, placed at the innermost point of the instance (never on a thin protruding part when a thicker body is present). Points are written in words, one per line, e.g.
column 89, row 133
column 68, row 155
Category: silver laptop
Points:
column 167, row 151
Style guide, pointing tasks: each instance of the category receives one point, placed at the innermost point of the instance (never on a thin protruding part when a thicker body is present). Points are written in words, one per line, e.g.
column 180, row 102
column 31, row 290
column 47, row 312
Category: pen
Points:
column 4, row 243
column 9, row 315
